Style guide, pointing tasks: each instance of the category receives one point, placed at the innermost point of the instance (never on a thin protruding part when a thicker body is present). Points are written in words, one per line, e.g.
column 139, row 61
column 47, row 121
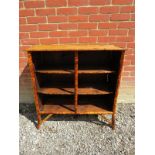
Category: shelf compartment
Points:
column 99, row 81
column 53, row 60
column 57, row 109
column 55, row 80
column 95, row 104
column 70, row 91
column 86, row 105
column 57, row 104
column 99, row 60
column 69, row 109
column 83, row 71
column 89, row 108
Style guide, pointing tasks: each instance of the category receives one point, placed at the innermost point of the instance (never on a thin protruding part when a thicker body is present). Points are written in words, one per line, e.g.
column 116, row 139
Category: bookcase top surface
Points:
column 75, row 47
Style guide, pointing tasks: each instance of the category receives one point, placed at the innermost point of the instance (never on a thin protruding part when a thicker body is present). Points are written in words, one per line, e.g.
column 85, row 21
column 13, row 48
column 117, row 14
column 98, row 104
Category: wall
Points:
column 73, row 22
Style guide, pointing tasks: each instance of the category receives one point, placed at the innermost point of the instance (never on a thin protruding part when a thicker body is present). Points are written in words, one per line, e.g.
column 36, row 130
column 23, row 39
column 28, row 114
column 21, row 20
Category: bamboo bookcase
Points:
column 75, row 79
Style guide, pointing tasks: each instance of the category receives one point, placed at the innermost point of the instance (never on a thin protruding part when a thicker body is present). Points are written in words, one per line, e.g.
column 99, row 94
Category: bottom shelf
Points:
column 90, row 104
column 86, row 105
column 58, row 109
column 82, row 109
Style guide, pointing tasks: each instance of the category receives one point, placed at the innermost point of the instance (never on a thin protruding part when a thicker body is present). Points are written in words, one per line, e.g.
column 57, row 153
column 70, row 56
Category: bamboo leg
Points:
column 39, row 121
column 34, row 84
column 117, row 87
column 110, row 122
column 113, row 121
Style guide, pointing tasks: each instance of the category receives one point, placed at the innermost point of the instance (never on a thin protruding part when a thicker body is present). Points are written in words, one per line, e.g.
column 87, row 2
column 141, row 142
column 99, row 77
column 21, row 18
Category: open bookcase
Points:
column 75, row 79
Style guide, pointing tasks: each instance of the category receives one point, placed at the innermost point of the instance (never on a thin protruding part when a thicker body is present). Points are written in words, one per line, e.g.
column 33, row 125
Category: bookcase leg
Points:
column 38, row 125
column 113, row 121
column 39, row 121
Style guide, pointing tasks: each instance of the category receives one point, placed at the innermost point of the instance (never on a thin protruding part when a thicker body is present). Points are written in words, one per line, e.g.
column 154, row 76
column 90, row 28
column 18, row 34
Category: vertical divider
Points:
column 76, row 80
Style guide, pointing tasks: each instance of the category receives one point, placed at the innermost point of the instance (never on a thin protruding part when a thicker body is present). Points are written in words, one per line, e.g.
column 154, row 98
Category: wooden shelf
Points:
column 70, row 91
column 56, row 108
column 86, row 105
column 97, row 71
column 44, row 71
column 89, row 108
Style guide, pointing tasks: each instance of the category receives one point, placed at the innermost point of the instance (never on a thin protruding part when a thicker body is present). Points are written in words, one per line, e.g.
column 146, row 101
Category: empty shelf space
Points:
column 50, row 108
column 83, row 71
column 70, row 91
column 55, row 80
column 95, row 104
column 57, row 104
column 98, row 60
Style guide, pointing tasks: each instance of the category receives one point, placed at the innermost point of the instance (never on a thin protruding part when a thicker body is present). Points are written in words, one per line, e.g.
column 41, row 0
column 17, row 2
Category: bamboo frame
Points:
column 35, row 85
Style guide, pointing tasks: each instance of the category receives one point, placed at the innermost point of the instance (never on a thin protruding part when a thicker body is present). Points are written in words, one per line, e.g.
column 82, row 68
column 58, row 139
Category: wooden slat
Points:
column 79, row 47
column 70, row 91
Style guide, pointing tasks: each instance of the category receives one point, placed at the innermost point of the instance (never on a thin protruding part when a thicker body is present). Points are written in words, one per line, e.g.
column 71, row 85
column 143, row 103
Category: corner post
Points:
column 117, row 88
column 34, row 84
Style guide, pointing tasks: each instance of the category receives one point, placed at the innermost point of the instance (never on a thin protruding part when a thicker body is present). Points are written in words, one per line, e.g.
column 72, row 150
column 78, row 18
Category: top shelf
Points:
column 76, row 47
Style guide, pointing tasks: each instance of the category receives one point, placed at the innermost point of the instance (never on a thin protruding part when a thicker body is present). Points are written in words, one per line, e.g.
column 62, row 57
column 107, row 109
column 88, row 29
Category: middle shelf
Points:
column 70, row 91
column 59, row 84
column 70, row 71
